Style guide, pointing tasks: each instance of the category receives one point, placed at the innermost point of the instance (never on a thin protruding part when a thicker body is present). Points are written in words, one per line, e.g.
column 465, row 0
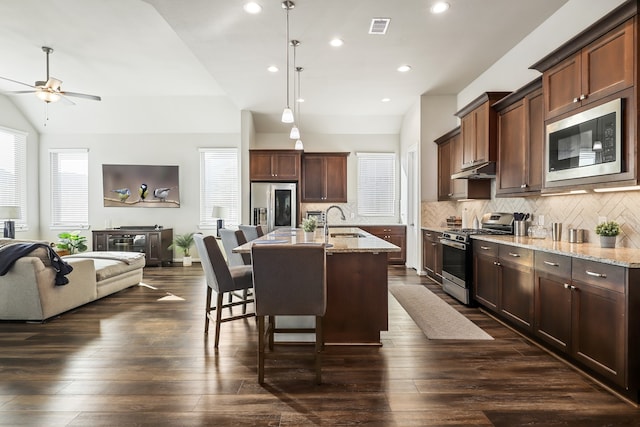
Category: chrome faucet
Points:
column 326, row 220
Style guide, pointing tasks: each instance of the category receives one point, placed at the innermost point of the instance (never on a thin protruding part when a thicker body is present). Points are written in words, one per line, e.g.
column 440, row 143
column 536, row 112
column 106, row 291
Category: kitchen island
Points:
column 357, row 291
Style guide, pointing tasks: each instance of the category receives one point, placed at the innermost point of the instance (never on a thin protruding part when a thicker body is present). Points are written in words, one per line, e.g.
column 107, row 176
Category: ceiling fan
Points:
column 49, row 90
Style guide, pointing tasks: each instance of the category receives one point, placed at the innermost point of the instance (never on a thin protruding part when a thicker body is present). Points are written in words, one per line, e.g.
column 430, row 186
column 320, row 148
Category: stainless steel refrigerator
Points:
column 273, row 204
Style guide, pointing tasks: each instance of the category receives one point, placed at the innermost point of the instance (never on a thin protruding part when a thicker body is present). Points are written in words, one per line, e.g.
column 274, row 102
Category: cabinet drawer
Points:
column 559, row 265
column 485, row 248
column 385, row 229
column 606, row 276
column 515, row 254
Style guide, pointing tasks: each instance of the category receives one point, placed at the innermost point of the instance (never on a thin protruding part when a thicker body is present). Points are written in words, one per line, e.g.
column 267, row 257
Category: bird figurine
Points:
column 143, row 191
column 123, row 193
column 161, row 193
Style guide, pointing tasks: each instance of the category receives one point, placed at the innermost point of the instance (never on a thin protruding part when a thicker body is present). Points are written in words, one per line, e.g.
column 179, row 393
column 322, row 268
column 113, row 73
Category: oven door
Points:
column 456, row 269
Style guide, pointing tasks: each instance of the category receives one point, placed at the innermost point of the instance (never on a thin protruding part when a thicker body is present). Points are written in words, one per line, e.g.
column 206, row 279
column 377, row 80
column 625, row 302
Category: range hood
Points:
column 485, row 170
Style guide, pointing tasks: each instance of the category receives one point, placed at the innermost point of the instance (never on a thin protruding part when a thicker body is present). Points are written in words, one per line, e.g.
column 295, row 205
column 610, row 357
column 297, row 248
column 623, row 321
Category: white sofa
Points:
column 28, row 290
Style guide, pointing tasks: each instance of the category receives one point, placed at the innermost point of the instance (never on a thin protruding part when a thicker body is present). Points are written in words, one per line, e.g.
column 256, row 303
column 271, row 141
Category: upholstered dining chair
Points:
column 222, row 279
column 288, row 280
column 251, row 232
column 232, row 239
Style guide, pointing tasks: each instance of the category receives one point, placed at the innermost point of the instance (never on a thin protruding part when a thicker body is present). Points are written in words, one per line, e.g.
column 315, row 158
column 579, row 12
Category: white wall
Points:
column 151, row 149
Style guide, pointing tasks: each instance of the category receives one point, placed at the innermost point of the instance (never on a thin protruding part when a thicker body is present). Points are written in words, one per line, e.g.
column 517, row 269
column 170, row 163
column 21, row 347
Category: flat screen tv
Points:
column 147, row 186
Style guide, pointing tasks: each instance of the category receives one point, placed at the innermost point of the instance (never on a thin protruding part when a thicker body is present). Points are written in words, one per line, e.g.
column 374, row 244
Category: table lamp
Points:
column 219, row 212
column 8, row 214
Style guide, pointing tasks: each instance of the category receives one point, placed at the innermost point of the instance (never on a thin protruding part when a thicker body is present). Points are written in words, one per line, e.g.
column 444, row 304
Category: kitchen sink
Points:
column 347, row 235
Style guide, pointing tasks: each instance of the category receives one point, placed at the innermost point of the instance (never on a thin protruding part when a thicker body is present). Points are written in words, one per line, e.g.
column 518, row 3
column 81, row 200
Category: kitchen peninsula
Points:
column 356, row 282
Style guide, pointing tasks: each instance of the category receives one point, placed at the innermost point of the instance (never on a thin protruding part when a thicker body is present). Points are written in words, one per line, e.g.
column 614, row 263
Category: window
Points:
column 376, row 184
column 219, row 185
column 69, row 188
column 13, row 173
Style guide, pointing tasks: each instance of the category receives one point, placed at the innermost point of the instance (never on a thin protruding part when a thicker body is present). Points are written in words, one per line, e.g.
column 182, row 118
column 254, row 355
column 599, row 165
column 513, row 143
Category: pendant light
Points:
column 296, row 105
column 287, row 114
column 295, row 132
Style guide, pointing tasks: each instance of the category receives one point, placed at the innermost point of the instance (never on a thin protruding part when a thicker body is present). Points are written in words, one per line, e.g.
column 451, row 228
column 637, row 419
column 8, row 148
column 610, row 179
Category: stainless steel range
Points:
column 457, row 257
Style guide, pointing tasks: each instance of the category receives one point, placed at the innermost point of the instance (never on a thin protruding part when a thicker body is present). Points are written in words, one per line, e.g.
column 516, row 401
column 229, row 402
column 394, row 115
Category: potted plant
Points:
column 608, row 231
column 309, row 227
column 71, row 242
column 184, row 242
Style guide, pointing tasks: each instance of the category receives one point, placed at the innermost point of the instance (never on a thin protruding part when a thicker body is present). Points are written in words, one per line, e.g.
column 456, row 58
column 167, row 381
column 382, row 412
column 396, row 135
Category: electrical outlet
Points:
column 540, row 219
column 602, row 219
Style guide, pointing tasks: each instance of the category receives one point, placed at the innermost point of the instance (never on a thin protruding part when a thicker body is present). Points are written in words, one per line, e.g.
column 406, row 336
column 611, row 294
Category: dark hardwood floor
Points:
column 140, row 358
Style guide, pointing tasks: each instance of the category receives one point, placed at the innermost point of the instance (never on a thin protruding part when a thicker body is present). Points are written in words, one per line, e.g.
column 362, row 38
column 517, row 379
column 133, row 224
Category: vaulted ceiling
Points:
column 193, row 61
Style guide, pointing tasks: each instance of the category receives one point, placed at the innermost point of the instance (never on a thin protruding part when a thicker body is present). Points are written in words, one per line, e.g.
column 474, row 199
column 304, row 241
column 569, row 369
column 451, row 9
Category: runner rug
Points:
column 437, row 319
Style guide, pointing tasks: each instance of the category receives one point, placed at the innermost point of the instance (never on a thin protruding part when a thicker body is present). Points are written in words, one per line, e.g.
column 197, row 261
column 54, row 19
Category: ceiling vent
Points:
column 379, row 25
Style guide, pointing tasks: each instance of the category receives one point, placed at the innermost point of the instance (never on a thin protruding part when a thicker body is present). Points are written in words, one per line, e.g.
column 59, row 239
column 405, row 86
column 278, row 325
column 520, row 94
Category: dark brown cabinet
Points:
column 479, row 123
column 486, row 274
column 153, row 243
column 324, row 177
column 521, row 142
column 274, row 165
column 450, row 162
column 602, row 68
column 432, row 254
column 395, row 234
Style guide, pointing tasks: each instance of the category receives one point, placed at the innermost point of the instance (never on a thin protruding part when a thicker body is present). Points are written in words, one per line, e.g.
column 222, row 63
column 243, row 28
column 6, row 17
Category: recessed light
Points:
column 299, row 100
column 440, row 7
column 252, row 8
column 385, row 100
column 404, row 68
column 272, row 69
column 336, row 42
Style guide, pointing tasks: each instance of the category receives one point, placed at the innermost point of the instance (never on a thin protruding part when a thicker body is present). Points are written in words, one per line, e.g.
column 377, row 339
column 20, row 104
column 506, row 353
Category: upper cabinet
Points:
column 324, row 177
column 274, row 165
column 600, row 69
column 449, row 162
column 479, row 130
column 521, row 141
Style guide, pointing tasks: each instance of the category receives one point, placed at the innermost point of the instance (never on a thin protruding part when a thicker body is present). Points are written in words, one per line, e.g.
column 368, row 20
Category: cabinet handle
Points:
column 427, row 234
column 485, row 248
column 583, row 97
column 496, row 263
column 514, row 255
column 523, row 185
column 434, row 244
column 552, row 264
column 576, row 99
column 573, row 288
column 566, row 286
column 450, row 195
column 594, row 274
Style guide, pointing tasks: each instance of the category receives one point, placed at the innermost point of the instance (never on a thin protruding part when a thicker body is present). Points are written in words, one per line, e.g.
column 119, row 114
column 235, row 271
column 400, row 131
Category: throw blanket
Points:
column 11, row 253
column 126, row 257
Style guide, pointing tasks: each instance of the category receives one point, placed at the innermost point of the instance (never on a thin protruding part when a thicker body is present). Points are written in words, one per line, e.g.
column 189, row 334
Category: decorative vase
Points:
column 186, row 261
column 309, row 236
column 608, row 241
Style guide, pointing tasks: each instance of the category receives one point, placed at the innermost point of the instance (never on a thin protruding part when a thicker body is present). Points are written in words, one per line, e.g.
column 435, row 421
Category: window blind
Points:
column 219, row 185
column 13, row 172
column 376, row 184
column 69, row 188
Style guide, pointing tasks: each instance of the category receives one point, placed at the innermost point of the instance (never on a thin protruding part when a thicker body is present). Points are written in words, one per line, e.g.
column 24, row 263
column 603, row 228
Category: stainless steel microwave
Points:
column 586, row 144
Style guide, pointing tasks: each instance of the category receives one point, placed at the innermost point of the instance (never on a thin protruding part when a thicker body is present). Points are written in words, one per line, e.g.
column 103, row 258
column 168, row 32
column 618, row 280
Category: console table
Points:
column 154, row 243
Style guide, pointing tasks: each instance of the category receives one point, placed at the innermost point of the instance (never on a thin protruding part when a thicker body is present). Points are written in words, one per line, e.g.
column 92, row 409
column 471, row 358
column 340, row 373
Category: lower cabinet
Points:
column 583, row 309
column 432, row 254
column 395, row 234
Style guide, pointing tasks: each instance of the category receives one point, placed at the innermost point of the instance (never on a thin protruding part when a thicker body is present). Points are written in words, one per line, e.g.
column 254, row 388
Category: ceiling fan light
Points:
column 299, row 145
column 295, row 133
column 47, row 96
column 287, row 115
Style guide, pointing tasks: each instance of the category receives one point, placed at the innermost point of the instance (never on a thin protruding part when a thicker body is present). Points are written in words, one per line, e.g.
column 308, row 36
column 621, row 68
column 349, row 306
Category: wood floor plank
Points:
column 133, row 359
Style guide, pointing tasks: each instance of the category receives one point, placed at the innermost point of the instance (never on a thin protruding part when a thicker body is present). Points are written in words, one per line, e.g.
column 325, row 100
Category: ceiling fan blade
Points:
column 81, row 95
column 53, row 83
column 65, row 99
column 20, row 91
column 16, row 81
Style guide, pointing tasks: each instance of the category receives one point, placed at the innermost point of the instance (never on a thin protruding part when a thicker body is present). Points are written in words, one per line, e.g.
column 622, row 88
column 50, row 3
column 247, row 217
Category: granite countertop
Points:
column 435, row 228
column 625, row 257
column 338, row 244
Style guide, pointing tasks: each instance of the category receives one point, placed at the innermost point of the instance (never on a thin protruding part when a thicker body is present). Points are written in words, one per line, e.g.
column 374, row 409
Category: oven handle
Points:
column 453, row 244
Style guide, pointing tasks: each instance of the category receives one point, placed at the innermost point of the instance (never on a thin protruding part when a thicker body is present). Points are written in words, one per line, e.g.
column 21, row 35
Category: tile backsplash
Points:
column 575, row 211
